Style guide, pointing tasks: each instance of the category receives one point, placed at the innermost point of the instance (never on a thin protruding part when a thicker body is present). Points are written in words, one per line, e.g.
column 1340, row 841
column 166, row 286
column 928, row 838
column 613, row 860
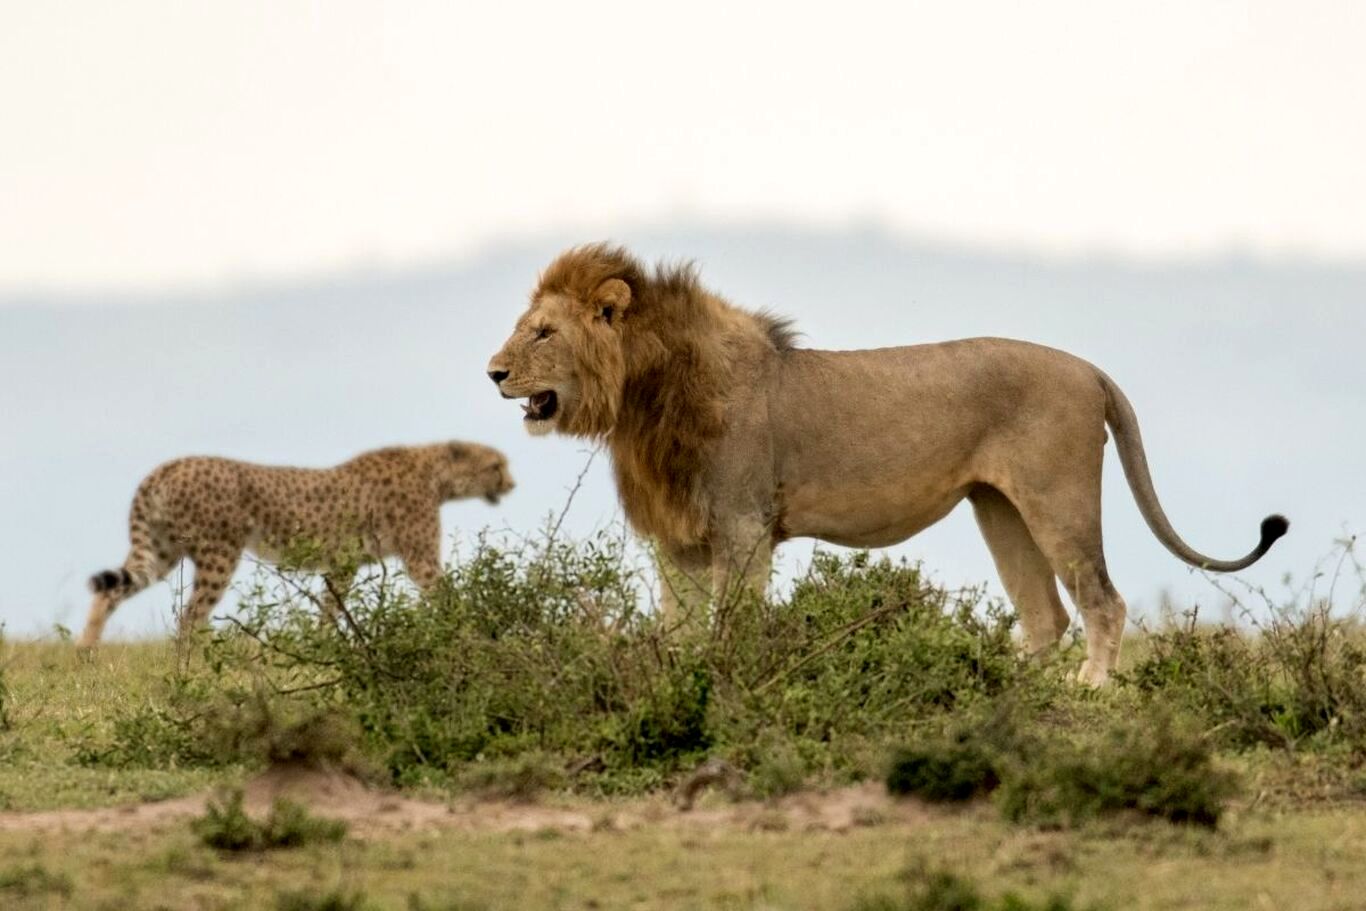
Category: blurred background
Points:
column 290, row 231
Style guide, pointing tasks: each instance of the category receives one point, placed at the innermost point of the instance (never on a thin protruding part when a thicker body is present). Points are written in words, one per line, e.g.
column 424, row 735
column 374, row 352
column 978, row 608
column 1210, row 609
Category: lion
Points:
column 727, row 439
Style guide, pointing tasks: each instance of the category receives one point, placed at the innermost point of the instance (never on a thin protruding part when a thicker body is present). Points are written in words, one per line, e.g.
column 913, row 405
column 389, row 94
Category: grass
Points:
column 940, row 890
column 1307, row 860
column 327, row 900
column 27, row 881
column 57, row 702
column 1297, row 840
column 532, row 679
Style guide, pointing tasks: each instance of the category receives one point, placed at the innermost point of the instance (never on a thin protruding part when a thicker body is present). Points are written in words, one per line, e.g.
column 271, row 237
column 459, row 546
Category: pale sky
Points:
column 152, row 144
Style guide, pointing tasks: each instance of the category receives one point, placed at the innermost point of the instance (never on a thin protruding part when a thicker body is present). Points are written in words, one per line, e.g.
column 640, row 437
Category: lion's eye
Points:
column 544, row 333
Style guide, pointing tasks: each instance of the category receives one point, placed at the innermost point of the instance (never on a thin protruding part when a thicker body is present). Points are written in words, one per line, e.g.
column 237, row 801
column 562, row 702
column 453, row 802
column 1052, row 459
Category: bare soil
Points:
column 367, row 810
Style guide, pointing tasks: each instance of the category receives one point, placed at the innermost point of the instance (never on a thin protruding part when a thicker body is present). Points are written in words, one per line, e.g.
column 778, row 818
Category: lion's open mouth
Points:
column 541, row 406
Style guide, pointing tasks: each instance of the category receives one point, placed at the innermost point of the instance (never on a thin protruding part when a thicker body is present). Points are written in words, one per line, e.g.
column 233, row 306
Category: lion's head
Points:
column 566, row 356
column 642, row 358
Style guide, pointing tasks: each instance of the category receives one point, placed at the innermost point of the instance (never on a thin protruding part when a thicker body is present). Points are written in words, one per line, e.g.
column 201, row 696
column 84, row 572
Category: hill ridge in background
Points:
column 1246, row 373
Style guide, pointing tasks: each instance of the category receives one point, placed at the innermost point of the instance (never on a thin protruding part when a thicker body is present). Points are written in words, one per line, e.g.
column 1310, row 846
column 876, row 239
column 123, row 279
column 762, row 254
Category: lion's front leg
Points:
column 742, row 558
column 684, row 585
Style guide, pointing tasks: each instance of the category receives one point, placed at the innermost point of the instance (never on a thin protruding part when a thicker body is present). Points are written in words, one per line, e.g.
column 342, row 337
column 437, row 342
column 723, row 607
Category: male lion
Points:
column 726, row 439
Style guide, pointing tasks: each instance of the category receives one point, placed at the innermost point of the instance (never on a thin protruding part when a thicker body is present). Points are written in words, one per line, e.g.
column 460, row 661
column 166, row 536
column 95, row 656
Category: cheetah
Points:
column 379, row 504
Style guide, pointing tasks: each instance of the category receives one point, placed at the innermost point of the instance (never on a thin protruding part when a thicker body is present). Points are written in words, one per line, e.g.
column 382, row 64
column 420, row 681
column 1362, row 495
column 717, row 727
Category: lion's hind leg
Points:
column 1065, row 524
column 1024, row 570
column 1103, row 612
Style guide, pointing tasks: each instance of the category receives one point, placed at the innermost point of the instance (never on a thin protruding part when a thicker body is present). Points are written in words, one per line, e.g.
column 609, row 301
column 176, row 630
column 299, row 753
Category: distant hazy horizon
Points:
column 1246, row 373
column 361, row 271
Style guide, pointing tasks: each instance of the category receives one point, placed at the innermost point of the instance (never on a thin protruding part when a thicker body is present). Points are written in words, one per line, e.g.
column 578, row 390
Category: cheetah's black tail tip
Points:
column 109, row 580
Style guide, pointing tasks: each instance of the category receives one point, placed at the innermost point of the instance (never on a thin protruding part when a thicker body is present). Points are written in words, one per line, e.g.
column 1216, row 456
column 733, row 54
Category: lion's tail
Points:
column 1119, row 414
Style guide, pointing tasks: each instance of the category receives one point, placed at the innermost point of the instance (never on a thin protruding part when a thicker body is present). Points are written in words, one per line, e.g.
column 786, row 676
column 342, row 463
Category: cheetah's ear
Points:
column 611, row 299
column 459, row 451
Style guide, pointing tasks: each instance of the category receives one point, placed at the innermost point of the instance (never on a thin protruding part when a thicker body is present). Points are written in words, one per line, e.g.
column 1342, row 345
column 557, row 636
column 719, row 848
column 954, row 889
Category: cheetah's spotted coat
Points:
column 379, row 504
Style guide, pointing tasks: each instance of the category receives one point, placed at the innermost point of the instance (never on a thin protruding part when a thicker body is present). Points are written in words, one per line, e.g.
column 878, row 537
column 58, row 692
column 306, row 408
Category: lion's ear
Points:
column 611, row 299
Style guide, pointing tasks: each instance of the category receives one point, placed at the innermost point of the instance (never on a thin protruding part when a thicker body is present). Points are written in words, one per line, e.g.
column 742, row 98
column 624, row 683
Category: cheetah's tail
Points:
column 110, row 579
column 140, row 567
column 133, row 576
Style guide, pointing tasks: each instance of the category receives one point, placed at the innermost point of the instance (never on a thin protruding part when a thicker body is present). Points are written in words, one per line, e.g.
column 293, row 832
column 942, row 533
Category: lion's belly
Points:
column 875, row 446
column 866, row 517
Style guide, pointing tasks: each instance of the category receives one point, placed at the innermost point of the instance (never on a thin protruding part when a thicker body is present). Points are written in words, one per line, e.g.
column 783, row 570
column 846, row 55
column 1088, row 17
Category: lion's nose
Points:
column 498, row 375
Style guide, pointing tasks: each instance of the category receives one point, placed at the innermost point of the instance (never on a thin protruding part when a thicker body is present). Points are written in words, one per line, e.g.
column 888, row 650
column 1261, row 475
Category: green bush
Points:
column 516, row 778
column 1213, row 673
column 669, row 722
column 418, row 903
column 331, row 900
column 778, row 768
column 289, row 825
column 33, row 880
column 951, row 767
column 1046, row 772
column 538, row 664
column 861, row 650
column 864, row 644
column 214, row 721
column 226, row 826
column 516, row 653
column 944, row 891
column 1150, row 764
column 548, row 648
column 1297, row 679
column 1294, row 677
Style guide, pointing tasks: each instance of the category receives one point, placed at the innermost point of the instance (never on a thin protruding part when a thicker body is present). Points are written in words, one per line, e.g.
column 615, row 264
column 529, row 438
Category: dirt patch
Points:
column 370, row 811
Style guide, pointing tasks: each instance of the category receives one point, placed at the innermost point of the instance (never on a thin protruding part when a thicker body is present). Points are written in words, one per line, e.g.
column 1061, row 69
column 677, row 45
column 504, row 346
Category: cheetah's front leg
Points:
column 425, row 571
column 420, row 551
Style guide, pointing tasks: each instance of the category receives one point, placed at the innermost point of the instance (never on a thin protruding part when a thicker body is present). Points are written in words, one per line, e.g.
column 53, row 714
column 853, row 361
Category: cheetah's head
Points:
column 472, row 470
